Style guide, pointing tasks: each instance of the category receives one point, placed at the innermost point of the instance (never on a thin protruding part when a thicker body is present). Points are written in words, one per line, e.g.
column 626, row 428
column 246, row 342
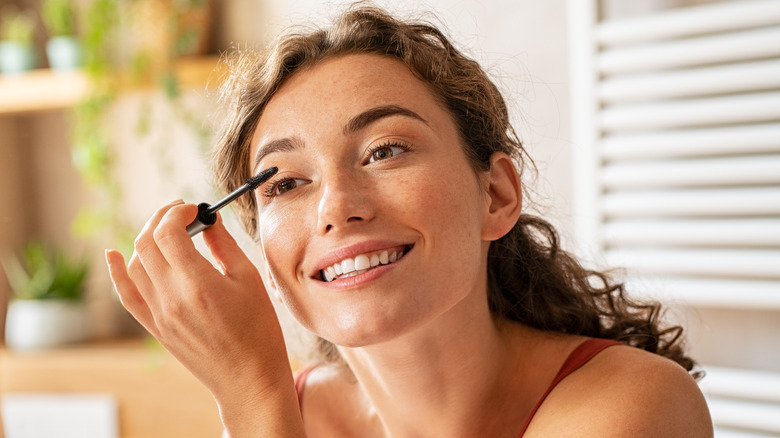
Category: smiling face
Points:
column 373, row 226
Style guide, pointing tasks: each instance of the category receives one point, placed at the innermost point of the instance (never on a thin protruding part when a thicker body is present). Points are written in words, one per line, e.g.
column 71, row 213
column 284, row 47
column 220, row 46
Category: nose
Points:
column 344, row 202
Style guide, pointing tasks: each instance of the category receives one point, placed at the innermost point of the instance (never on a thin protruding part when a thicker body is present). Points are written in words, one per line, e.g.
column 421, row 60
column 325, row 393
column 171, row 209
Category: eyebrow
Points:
column 371, row 115
column 355, row 124
column 281, row 145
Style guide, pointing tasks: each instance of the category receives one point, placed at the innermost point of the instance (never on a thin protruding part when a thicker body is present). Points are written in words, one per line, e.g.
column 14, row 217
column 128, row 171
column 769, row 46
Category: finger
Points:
column 146, row 247
column 175, row 244
column 128, row 293
column 144, row 285
column 225, row 249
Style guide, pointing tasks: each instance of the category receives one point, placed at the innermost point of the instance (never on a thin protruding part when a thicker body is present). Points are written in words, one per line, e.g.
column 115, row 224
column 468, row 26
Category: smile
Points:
column 351, row 267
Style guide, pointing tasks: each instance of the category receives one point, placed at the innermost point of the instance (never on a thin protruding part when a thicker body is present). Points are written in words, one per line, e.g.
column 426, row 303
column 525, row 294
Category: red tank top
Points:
column 579, row 357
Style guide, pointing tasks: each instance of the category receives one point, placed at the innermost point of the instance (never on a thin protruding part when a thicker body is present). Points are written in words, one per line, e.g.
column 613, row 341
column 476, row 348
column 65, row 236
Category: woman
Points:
column 394, row 231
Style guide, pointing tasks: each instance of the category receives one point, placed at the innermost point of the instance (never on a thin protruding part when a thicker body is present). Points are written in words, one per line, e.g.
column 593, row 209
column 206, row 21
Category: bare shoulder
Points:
column 323, row 386
column 624, row 391
column 328, row 393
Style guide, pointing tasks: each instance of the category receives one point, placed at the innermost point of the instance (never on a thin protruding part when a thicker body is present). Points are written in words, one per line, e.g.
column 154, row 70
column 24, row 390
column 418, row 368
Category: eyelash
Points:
column 269, row 191
column 387, row 144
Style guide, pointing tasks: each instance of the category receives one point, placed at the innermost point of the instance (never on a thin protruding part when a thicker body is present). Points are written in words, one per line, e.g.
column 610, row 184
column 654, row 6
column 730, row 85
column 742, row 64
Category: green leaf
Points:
column 46, row 273
column 59, row 17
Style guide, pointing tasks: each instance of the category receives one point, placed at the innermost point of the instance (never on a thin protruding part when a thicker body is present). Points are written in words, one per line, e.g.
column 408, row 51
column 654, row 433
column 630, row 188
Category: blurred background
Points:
column 654, row 124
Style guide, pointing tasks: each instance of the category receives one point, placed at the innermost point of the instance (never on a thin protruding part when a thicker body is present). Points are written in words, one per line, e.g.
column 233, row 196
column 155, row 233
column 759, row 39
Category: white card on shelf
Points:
column 44, row 415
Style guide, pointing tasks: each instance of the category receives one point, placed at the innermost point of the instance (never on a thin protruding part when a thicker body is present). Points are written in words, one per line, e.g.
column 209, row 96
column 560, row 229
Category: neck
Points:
column 448, row 376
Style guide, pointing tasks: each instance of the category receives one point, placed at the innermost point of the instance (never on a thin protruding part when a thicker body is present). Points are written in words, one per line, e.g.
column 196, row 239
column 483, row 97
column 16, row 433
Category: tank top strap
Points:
column 579, row 357
column 300, row 382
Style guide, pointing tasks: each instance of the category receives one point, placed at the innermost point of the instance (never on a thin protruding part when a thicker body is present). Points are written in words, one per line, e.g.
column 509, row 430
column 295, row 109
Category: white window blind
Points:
column 676, row 125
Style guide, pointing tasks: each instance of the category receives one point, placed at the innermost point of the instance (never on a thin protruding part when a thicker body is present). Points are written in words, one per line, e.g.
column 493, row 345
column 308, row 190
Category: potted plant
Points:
column 47, row 307
column 63, row 48
column 17, row 53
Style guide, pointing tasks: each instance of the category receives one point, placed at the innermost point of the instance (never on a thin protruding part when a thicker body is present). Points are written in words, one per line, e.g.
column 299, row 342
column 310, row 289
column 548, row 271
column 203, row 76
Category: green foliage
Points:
column 59, row 17
column 45, row 273
column 16, row 26
column 109, row 65
column 102, row 19
column 91, row 151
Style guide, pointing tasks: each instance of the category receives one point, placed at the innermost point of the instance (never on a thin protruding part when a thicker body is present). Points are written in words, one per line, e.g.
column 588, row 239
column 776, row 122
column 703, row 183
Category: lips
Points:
column 352, row 266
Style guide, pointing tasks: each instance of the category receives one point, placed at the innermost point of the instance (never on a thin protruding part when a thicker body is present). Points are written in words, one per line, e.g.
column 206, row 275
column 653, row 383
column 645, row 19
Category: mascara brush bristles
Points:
column 251, row 184
column 261, row 177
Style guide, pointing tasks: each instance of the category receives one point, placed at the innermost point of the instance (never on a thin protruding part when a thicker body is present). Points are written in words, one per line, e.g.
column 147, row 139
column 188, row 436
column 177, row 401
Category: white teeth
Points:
column 327, row 275
column 347, row 265
column 354, row 273
column 350, row 267
column 362, row 262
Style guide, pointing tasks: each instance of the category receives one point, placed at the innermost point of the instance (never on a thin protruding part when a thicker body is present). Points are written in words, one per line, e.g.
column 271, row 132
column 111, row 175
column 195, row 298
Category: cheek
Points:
column 454, row 216
column 282, row 236
column 451, row 201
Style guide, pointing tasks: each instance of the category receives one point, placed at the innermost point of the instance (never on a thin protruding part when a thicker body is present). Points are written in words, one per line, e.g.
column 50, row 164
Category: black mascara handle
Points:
column 205, row 219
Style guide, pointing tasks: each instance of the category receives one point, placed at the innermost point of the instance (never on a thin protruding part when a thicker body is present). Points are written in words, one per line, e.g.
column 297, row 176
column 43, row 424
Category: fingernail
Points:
column 177, row 202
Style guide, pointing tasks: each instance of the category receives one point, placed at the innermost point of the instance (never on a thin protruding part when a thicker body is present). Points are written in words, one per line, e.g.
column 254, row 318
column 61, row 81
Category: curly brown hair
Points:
column 531, row 279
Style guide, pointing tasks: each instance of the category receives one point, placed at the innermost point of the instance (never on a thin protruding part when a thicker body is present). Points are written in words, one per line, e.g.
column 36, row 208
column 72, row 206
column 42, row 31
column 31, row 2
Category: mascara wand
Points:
column 207, row 214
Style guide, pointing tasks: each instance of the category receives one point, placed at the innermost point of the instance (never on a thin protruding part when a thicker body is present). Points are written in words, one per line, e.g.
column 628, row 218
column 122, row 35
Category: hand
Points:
column 219, row 323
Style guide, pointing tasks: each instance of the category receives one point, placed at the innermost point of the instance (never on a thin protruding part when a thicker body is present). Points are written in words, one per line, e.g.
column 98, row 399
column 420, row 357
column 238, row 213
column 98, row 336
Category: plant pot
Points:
column 64, row 53
column 39, row 324
column 16, row 58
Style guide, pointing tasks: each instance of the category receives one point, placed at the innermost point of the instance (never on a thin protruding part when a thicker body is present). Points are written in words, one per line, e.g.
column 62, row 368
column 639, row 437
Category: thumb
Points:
column 225, row 249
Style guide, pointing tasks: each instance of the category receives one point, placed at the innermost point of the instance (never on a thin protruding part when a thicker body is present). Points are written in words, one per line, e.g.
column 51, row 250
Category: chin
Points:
column 352, row 332
column 360, row 337
column 359, row 342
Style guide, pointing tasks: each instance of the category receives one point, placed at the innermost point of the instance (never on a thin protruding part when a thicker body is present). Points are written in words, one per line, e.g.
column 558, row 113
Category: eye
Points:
column 385, row 151
column 283, row 185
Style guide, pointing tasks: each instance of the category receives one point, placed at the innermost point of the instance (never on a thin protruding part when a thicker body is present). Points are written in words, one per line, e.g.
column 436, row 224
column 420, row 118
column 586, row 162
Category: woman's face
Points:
column 371, row 170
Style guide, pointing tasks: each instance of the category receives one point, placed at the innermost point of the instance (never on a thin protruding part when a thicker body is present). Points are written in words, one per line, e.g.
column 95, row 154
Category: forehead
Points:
column 336, row 89
column 358, row 76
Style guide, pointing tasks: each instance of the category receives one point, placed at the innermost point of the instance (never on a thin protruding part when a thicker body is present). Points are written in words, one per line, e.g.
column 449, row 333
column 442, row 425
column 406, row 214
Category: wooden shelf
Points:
column 42, row 90
column 156, row 395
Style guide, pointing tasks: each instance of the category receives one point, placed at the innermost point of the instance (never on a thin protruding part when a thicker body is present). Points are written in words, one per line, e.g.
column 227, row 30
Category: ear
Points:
column 504, row 197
